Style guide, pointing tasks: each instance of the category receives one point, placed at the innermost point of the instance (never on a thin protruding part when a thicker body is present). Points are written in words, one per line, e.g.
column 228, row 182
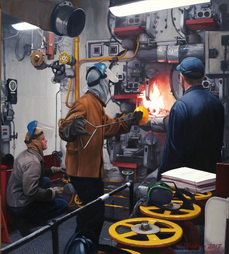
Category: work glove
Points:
column 159, row 124
column 74, row 129
column 133, row 118
column 57, row 192
column 56, row 170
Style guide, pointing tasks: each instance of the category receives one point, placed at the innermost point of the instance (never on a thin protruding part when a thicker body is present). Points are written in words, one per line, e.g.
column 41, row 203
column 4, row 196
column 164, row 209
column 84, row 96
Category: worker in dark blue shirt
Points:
column 196, row 124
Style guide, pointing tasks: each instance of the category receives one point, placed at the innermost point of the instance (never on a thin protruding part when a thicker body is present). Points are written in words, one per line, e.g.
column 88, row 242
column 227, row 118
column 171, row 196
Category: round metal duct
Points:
column 57, row 16
column 67, row 20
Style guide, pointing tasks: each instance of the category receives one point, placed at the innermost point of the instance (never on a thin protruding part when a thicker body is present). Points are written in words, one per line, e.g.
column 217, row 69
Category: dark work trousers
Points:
column 90, row 220
column 40, row 211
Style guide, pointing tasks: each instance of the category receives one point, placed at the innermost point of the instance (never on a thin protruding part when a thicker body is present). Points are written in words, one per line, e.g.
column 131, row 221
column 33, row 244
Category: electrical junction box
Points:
column 5, row 133
column 217, row 54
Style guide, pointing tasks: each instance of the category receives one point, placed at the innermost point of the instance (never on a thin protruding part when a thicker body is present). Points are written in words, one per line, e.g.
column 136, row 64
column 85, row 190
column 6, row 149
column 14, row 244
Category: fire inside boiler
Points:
column 139, row 151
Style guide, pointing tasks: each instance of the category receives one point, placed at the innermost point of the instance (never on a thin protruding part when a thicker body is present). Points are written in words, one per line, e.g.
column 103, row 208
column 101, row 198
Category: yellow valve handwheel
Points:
column 77, row 200
column 131, row 251
column 64, row 58
column 181, row 214
column 145, row 232
column 201, row 196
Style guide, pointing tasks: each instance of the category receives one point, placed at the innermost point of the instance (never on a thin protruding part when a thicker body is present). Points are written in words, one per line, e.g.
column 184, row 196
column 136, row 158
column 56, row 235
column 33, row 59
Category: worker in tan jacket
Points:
column 84, row 160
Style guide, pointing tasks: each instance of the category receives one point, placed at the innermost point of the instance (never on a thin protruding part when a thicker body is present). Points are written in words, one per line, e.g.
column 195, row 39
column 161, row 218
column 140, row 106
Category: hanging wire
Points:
column 174, row 25
column 109, row 28
column 10, row 37
column 20, row 58
column 14, row 137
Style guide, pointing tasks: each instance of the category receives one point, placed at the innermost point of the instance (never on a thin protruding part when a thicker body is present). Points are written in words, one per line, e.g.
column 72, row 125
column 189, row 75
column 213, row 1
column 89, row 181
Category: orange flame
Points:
column 161, row 98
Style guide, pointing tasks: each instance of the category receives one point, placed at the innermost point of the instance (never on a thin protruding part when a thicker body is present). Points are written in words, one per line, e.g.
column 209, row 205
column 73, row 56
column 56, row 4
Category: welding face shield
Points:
column 36, row 129
column 98, row 72
column 162, row 195
column 98, row 77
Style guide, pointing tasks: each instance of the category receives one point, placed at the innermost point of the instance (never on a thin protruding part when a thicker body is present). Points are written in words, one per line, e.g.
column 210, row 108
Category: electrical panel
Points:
column 217, row 54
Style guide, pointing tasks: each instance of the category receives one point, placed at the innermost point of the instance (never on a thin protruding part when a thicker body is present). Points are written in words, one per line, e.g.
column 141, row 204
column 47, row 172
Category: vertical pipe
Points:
column 77, row 90
column 77, row 65
column 50, row 46
column 55, row 239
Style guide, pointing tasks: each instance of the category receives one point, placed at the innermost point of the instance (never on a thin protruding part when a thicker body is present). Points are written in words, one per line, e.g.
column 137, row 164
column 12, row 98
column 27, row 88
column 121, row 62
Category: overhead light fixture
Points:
column 121, row 8
column 22, row 26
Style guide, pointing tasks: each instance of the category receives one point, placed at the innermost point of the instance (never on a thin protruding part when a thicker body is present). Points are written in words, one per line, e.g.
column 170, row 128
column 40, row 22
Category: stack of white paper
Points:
column 193, row 179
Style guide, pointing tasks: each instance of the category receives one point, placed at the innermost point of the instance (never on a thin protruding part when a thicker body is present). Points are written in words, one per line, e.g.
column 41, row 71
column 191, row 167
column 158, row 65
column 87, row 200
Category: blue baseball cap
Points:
column 191, row 67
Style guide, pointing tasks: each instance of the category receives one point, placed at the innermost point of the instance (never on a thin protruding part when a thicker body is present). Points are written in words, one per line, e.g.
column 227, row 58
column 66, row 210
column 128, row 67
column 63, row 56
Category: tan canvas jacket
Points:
column 88, row 162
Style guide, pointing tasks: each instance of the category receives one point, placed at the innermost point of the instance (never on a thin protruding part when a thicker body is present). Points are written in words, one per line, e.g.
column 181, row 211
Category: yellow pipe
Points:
column 101, row 59
column 77, row 89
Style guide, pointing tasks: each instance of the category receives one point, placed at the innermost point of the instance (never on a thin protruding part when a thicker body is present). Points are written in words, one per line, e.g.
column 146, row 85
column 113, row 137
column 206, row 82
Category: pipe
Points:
column 58, row 16
column 171, row 54
column 100, row 59
column 77, row 92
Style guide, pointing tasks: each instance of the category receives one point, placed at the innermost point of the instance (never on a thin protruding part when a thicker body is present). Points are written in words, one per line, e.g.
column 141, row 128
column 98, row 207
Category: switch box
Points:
column 217, row 54
column 5, row 133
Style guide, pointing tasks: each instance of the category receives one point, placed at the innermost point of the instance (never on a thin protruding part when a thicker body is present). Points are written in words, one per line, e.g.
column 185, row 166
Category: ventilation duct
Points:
column 60, row 17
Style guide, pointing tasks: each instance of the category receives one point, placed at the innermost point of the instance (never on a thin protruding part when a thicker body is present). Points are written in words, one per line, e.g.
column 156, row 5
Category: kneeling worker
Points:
column 29, row 195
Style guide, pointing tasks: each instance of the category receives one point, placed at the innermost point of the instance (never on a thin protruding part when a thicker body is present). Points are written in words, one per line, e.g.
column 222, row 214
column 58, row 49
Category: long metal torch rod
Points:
column 99, row 126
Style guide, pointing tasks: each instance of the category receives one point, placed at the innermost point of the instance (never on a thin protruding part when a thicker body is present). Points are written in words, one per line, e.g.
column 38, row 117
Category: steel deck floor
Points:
column 43, row 244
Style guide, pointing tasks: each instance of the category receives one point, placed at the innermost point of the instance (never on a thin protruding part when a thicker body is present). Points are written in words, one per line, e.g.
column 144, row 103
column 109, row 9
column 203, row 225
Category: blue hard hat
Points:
column 191, row 67
column 93, row 78
column 101, row 67
column 31, row 127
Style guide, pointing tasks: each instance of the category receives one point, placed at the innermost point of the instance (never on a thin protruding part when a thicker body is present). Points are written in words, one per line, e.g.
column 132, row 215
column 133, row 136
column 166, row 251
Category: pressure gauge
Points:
column 12, row 85
column 12, row 90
